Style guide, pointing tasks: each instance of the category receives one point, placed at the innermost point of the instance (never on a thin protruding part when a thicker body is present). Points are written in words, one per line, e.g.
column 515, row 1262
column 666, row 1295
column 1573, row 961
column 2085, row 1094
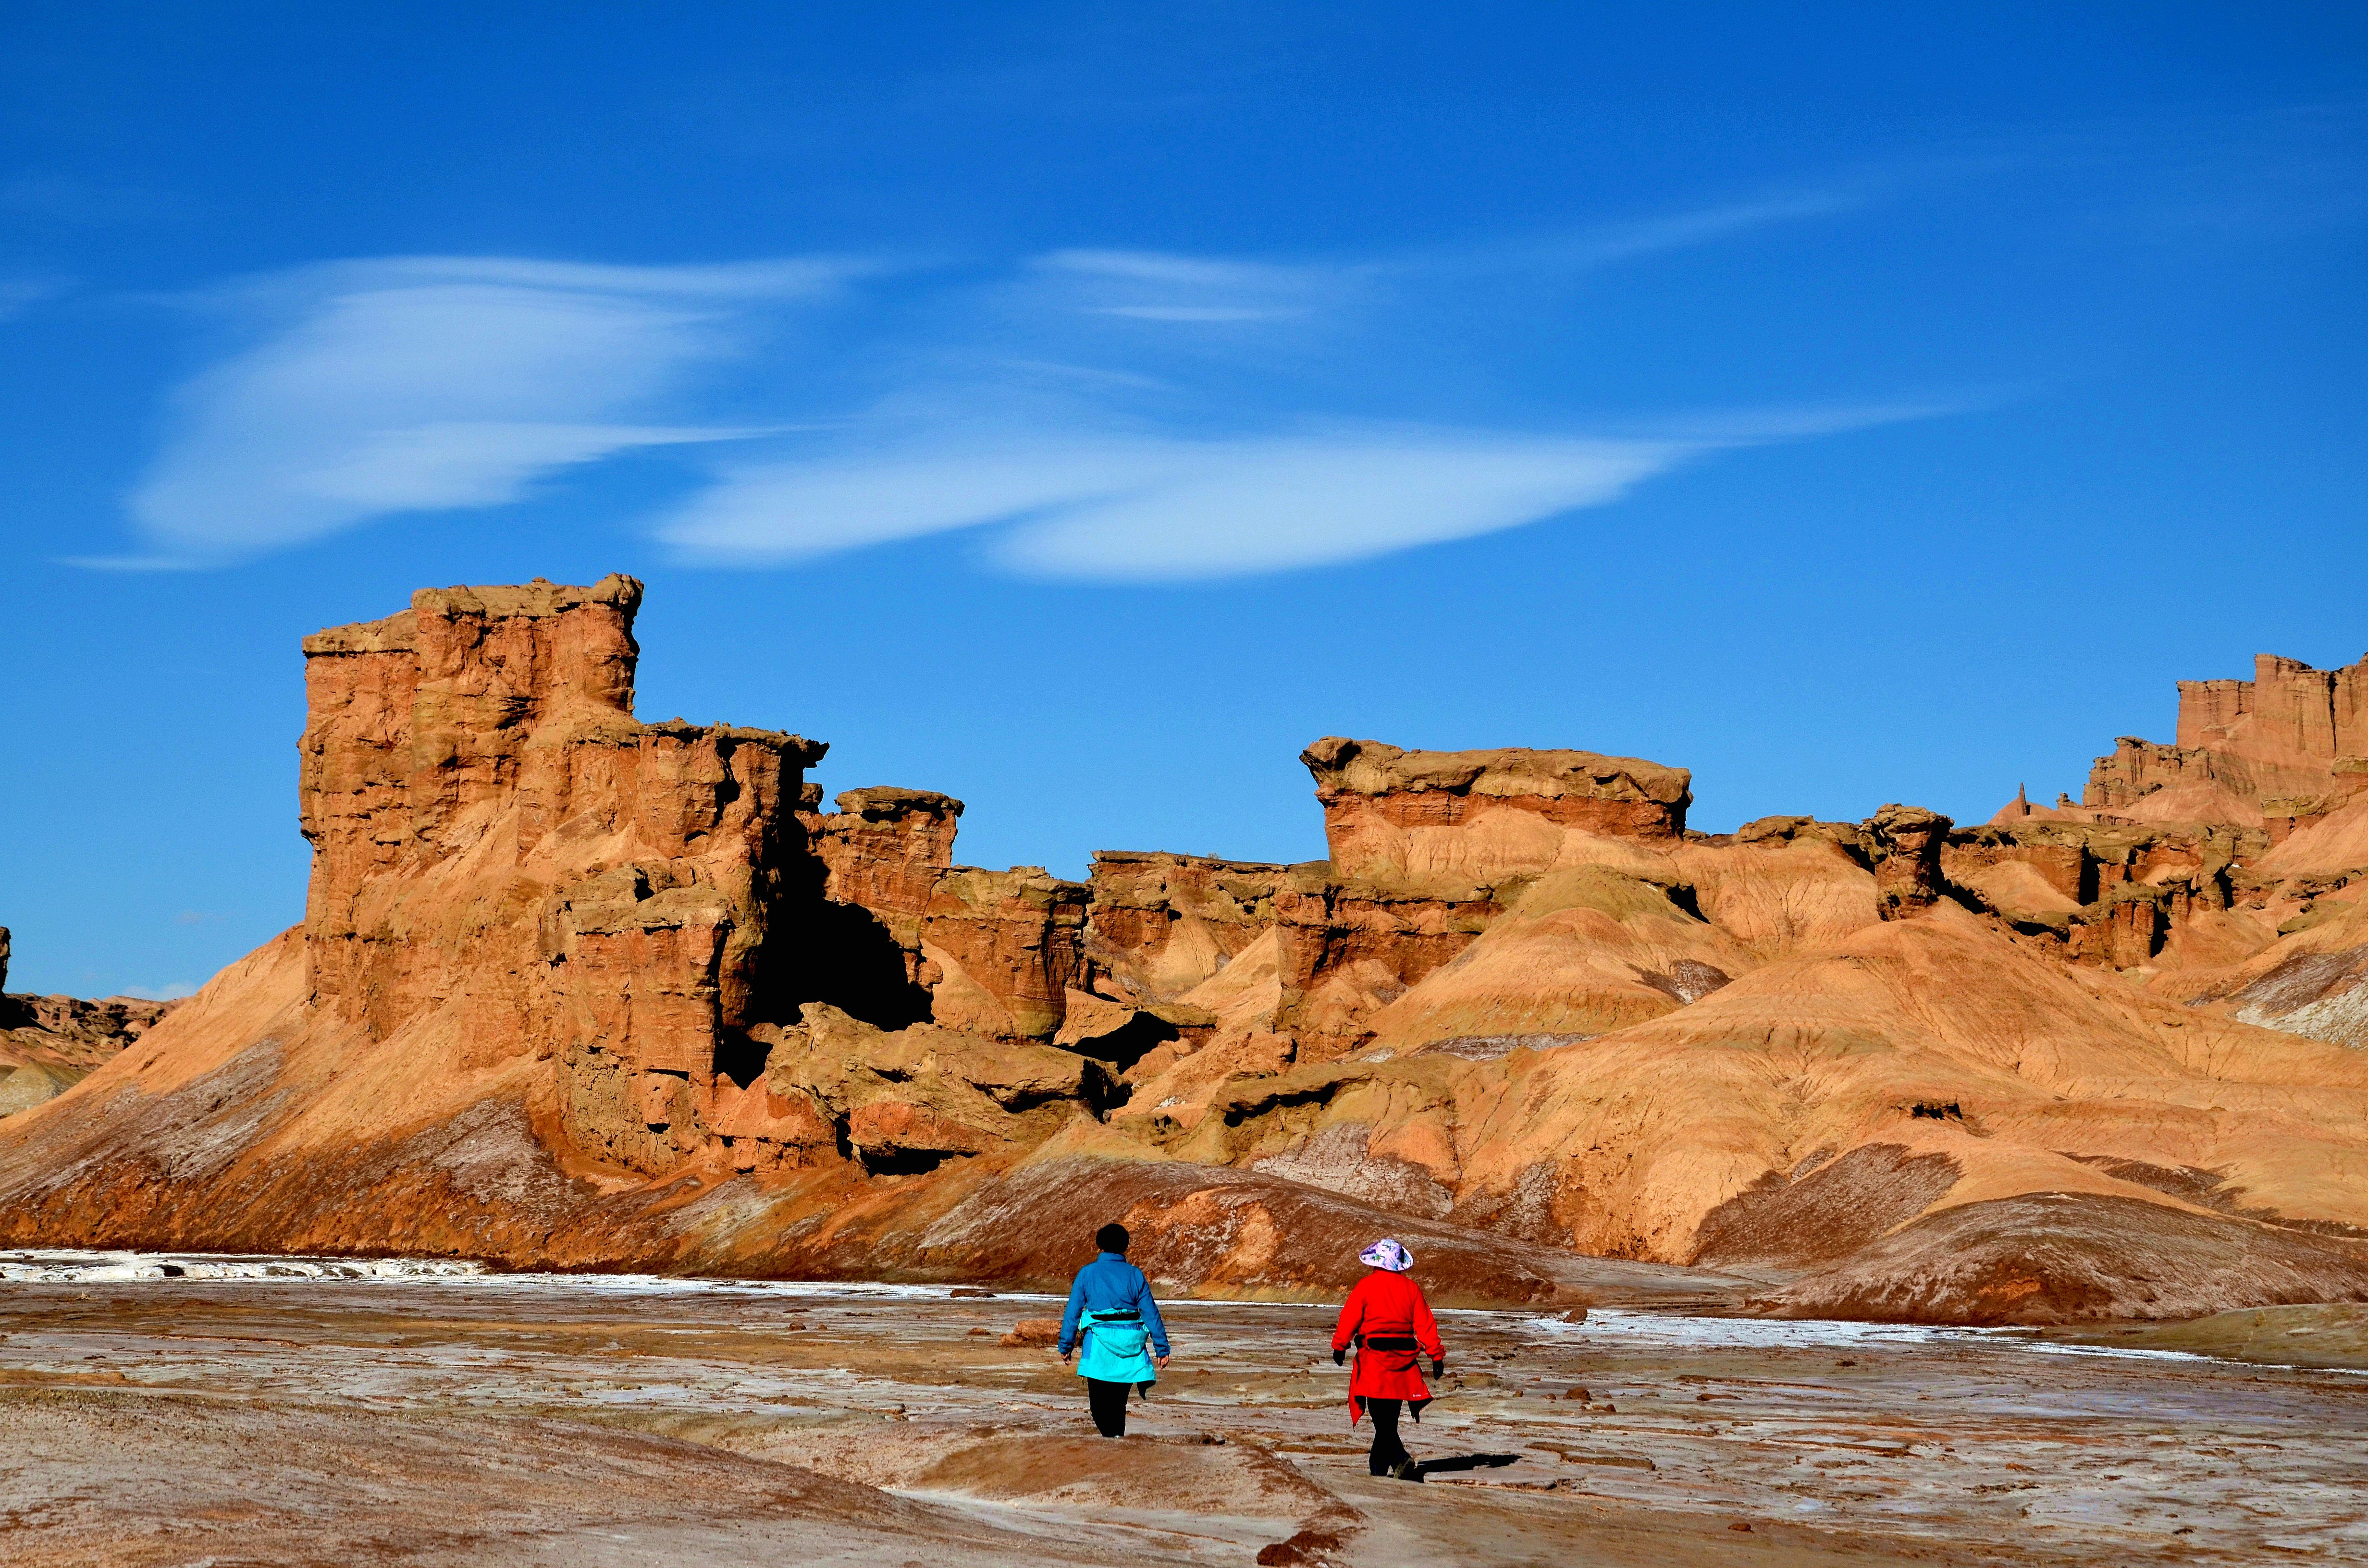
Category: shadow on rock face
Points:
column 1826, row 1214
column 846, row 956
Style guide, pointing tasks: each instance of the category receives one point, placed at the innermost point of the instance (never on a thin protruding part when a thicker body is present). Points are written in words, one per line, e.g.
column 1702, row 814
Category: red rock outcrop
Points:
column 1906, row 843
column 886, row 851
column 1427, row 849
column 1162, row 923
column 576, row 990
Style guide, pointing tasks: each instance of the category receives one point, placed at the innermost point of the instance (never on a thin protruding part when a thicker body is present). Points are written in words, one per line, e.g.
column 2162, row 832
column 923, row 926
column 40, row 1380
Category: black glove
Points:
column 1438, row 1365
column 1339, row 1358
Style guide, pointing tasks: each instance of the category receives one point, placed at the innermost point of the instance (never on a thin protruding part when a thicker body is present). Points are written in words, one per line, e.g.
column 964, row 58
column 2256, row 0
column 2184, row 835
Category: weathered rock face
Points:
column 1580, row 953
column 882, row 855
column 910, row 1100
column 109, row 1024
column 504, row 855
column 886, row 851
column 1008, row 945
column 1451, row 821
column 993, row 952
column 1428, row 850
column 1164, row 924
column 1906, row 843
column 2292, row 728
column 2112, row 894
column 576, row 989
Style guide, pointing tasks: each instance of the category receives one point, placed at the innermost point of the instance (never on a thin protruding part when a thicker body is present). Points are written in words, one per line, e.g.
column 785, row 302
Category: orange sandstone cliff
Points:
column 576, row 989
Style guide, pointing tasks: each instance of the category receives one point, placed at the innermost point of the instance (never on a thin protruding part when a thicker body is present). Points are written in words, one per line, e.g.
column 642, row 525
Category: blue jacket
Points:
column 1109, row 1283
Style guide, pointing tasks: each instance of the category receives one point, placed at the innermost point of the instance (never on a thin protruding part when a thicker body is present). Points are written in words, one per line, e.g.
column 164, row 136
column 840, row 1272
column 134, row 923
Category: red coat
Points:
column 1386, row 1306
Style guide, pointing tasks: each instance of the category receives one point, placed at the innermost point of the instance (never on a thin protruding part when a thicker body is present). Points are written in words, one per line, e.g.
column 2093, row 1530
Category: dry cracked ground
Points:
column 587, row 1422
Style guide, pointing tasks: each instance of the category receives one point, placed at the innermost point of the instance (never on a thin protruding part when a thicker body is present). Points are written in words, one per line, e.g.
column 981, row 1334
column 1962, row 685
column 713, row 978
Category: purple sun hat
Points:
column 1387, row 1254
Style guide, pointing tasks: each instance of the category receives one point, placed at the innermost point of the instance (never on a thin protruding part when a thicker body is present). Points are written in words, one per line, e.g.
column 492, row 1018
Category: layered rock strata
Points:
column 1454, row 820
column 579, row 990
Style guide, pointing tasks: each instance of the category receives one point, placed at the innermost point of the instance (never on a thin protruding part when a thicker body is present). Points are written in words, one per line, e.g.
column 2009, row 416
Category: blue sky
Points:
column 1079, row 409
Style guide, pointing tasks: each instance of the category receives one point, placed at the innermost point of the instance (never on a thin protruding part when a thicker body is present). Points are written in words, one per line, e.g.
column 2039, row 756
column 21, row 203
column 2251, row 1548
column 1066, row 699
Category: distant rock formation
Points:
column 1399, row 818
column 47, row 1044
column 2280, row 752
column 2229, row 865
column 577, row 990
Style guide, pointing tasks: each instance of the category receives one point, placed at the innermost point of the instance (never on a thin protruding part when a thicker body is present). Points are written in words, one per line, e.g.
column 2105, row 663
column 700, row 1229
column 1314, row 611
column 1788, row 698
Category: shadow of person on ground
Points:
column 1429, row 1468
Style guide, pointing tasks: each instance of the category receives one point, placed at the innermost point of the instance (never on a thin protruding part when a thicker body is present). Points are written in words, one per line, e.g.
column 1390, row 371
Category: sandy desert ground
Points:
column 541, row 1419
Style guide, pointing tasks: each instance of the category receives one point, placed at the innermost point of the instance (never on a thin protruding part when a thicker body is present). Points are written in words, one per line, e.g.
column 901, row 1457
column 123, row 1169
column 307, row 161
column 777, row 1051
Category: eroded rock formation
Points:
column 578, row 990
column 511, row 865
column 2226, row 869
column 47, row 1044
column 2280, row 752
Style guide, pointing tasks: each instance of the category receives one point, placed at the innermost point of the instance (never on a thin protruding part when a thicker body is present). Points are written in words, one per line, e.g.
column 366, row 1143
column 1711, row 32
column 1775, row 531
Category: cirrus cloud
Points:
column 1165, row 509
column 1101, row 414
column 429, row 383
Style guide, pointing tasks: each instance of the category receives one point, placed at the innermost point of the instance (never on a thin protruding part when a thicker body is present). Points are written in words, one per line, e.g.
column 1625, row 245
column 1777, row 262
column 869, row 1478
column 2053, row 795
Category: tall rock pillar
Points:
column 510, row 864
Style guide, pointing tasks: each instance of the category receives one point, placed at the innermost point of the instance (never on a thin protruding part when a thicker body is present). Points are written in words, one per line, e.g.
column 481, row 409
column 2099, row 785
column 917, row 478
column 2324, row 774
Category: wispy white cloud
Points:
column 1194, row 313
column 1095, row 376
column 1158, row 509
column 169, row 990
column 1185, row 290
column 767, row 513
column 134, row 562
column 1152, row 285
column 1228, row 508
column 1097, row 413
column 1612, row 243
column 1161, row 267
column 21, row 294
column 422, row 383
column 1054, row 491
column 724, row 280
column 455, row 462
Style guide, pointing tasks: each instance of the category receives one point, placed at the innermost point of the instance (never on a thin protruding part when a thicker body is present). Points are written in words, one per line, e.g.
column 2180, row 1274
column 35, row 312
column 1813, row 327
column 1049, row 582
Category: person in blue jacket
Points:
column 1125, row 1345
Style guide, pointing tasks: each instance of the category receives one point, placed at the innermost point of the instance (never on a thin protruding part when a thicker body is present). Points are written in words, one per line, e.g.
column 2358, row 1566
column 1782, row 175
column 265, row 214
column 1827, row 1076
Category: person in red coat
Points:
column 1387, row 1320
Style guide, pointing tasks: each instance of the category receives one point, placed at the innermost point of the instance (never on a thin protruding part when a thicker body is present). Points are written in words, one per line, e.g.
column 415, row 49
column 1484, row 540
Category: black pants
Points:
column 1388, row 1452
column 1109, row 1403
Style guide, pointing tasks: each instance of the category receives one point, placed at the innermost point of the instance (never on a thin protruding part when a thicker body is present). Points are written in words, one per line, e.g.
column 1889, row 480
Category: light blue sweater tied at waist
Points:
column 1110, row 1284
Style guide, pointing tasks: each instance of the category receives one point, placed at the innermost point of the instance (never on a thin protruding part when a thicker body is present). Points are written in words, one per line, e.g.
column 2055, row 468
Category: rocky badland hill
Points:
column 47, row 1044
column 576, row 989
